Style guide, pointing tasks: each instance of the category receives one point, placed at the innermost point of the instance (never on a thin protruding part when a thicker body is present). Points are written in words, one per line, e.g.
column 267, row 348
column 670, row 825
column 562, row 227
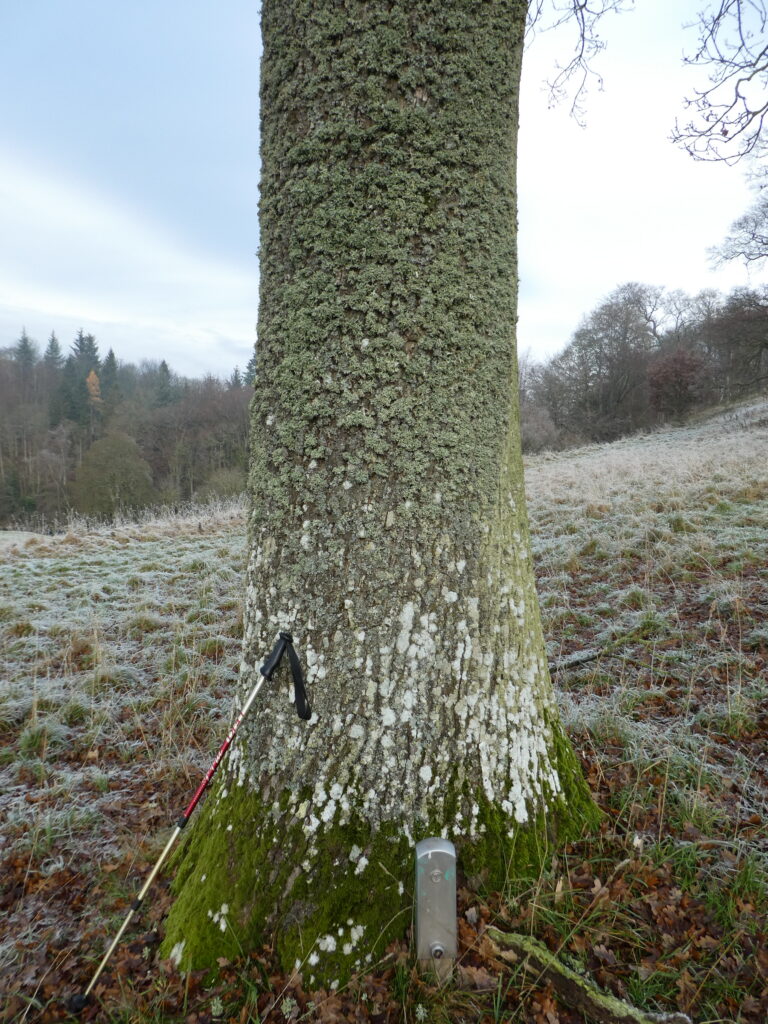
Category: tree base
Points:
column 331, row 899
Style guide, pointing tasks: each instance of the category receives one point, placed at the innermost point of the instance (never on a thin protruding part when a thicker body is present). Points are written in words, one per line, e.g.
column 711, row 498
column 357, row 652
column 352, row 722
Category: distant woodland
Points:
column 643, row 357
column 91, row 434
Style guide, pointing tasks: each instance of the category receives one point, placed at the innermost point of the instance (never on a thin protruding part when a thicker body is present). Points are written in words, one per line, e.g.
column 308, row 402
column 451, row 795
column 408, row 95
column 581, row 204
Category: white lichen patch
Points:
column 219, row 917
column 406, row 622
column 362, row 864
column 177, row 952
column 421, row 685
column 356, row 933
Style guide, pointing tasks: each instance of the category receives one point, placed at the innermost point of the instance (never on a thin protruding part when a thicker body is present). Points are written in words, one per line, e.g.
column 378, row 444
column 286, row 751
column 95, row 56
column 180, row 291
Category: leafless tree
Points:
column 748, row 237
column 680, row 311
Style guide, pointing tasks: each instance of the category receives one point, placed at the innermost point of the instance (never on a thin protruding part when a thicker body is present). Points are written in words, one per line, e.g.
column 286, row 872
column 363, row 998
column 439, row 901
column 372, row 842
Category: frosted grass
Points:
column 654, row 550
column 119, row 643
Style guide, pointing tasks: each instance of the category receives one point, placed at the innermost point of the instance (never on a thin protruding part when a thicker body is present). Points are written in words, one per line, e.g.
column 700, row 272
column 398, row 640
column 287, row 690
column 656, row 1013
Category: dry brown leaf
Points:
column 604, row 955
column 477, row 978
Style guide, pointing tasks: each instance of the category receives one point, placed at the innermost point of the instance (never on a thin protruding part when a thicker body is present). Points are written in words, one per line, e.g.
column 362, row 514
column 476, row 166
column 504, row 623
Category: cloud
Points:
column 81, row 258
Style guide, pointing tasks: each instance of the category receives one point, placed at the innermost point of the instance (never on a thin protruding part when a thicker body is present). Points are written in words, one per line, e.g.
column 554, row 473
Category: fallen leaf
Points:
column 604, row 955
column 477, row 978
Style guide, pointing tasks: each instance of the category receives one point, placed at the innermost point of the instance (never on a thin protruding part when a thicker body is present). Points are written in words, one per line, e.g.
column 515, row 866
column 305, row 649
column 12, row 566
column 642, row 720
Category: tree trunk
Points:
column 388, row 528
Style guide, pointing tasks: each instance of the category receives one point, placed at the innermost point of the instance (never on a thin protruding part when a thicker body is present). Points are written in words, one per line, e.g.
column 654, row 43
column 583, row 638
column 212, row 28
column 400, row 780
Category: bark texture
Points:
column 388, row 527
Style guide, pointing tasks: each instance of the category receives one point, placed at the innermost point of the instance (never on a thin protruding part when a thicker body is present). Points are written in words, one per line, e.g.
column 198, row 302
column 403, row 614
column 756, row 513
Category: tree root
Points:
column 575, row 990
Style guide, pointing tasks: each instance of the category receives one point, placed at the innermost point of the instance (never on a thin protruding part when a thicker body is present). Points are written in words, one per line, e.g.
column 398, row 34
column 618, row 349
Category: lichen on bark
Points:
column 388, row 529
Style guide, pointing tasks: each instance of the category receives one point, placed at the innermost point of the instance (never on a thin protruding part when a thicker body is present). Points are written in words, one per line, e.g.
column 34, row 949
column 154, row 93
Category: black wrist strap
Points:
column 299, row 689
column 285, row 643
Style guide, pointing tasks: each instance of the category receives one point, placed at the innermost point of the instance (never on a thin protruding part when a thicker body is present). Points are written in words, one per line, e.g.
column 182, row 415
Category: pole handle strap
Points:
column 285, row 643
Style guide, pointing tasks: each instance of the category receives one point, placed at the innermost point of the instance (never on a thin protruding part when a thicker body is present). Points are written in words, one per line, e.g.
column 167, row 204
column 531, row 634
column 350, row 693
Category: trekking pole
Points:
column 284, row 643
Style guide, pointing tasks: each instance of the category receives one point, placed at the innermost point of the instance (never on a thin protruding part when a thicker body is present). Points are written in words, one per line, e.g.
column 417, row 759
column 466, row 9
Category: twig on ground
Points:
column 574, row 989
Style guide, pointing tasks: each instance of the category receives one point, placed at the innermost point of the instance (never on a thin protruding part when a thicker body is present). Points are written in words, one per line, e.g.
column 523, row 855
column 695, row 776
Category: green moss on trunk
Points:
column 345, row 892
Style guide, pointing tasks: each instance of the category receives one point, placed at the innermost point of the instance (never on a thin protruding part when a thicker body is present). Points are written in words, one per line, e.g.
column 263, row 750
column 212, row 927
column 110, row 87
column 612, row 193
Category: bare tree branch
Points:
column 728, row 116
column 748, row 237
column 572, row 79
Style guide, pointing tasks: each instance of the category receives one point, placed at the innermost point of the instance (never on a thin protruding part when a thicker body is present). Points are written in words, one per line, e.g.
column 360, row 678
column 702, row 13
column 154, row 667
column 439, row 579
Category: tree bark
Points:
column 388, row 529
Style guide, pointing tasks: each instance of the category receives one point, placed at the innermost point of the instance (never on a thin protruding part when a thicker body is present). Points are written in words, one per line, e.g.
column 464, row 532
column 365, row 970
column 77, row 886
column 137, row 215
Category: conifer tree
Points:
column 250, row 370
column 109, row 384
column 76, row 404
column 164, row 387
column 53, row 357
column 53, row 365
column 86, row 351
column 25, row 357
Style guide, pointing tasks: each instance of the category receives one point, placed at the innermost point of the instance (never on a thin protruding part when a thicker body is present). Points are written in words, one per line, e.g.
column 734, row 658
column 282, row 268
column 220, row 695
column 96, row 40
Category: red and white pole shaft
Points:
column 78, row 1002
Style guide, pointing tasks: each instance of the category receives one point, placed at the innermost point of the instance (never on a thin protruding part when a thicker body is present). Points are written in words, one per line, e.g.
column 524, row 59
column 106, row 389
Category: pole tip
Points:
column 77, row 1003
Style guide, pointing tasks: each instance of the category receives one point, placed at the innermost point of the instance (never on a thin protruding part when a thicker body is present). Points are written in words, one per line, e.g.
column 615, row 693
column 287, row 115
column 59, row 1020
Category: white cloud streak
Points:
column 80, row 258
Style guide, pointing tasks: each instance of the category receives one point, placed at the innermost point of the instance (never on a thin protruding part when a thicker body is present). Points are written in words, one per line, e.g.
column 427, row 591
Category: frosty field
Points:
column 119, row 653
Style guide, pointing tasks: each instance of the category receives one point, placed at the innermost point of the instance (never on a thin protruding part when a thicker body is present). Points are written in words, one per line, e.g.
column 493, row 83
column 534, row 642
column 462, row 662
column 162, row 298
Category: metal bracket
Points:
column 436, row 905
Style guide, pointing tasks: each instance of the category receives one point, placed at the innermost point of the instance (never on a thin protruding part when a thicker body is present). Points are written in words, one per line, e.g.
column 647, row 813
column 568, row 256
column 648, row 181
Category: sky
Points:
column 129, row 178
